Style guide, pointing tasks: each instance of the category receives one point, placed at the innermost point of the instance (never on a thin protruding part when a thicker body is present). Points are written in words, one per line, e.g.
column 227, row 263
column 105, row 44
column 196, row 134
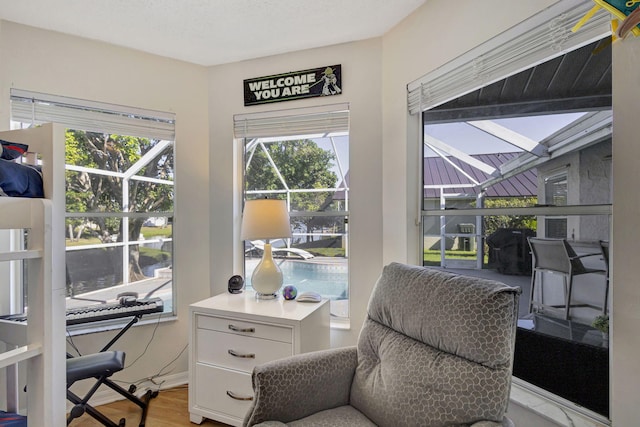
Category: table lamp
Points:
column 266, row 219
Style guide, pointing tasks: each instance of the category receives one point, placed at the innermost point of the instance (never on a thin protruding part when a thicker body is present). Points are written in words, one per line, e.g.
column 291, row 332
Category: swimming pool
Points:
column 326, row 276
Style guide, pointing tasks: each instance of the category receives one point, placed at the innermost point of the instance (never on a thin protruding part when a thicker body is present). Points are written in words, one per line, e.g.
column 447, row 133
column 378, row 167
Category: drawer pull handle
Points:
column 236, row 397
column 236, row 329
column 246, row 356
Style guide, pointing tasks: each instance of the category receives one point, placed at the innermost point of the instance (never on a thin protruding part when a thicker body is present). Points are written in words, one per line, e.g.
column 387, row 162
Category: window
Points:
column 555, row 194
column 555, row 190
column 120, row 197
column 573, row 205
column 512, row 206
column 302, row 156
column 536, row 155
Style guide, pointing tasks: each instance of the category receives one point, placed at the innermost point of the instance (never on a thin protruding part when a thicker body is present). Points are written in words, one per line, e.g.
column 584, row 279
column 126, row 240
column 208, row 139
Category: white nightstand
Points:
column 230, row 334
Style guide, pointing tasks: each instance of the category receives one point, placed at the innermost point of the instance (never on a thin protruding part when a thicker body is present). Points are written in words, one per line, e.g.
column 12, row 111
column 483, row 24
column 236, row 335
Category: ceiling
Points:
column 211, row 32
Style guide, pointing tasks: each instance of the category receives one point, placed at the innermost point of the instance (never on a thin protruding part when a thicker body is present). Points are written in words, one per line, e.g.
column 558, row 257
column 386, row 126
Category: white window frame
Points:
column 34, row 108
column 326, row 121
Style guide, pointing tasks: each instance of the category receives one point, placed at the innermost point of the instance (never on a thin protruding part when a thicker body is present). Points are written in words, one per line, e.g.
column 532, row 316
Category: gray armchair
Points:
column 436, row 349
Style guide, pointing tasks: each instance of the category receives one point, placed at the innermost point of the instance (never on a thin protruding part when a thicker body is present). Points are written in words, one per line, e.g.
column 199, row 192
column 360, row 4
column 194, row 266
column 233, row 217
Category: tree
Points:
column 91, row 192
column 494, row 222
column 303, row 165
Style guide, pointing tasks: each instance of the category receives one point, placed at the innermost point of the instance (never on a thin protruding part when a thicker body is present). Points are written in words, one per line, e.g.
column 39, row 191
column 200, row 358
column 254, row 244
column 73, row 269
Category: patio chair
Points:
column 556, row 256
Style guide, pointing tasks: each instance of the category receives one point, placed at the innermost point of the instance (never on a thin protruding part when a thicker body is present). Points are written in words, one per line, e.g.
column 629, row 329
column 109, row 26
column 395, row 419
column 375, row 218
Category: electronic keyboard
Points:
column 107, row 311
column 97, row 312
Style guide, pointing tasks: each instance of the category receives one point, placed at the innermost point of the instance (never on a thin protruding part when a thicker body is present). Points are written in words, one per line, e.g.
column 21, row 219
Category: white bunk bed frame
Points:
column 40, row 344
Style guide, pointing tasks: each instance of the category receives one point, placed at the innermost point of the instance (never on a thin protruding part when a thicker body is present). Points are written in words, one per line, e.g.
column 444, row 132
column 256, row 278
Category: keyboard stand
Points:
column 142, row 402
column 101, row 366
column 123, row 331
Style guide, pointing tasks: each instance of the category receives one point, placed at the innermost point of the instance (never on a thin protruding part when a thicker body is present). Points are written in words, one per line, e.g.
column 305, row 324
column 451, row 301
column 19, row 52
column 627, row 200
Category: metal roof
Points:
column 579, row 80
column 439, row 172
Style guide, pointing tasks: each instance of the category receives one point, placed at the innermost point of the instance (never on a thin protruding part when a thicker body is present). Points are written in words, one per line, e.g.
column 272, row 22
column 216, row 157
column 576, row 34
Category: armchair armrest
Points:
column 586, row 255
column 295, row 387
column 506, row 422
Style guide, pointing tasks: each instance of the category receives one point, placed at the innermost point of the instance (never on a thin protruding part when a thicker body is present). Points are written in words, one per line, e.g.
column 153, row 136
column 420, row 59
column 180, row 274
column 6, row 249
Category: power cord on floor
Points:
column 133, row 386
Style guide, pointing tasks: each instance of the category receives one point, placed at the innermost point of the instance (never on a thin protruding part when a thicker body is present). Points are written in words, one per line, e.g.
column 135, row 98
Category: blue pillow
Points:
column 18, row 180
column 9, row 419
column 12, row 150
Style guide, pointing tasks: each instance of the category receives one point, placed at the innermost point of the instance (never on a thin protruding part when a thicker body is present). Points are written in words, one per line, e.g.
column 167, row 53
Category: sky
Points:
column 473, row 141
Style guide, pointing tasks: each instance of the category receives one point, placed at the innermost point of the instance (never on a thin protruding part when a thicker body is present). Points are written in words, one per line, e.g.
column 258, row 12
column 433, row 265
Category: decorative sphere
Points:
column 289, row 292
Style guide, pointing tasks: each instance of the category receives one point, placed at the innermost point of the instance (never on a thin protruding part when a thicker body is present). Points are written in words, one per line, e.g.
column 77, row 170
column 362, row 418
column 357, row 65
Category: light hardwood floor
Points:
column 169, row 409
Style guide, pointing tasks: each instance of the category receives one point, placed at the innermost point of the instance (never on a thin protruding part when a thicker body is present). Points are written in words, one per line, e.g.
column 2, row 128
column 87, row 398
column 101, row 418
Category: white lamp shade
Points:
column 265, row 219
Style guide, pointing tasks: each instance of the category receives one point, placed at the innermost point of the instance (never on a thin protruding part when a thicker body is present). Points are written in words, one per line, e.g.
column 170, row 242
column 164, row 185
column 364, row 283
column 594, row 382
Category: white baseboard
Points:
column 105, row 395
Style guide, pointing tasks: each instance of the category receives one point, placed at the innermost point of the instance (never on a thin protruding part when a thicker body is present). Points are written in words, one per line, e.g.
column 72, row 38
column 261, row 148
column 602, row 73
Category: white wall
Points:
column 53, row 63
column 361, row 82
column 625, row 396
column 383, row 157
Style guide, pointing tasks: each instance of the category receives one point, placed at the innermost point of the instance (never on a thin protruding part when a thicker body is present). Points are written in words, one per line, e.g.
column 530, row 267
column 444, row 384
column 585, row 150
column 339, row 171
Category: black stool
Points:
column 100, row 366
